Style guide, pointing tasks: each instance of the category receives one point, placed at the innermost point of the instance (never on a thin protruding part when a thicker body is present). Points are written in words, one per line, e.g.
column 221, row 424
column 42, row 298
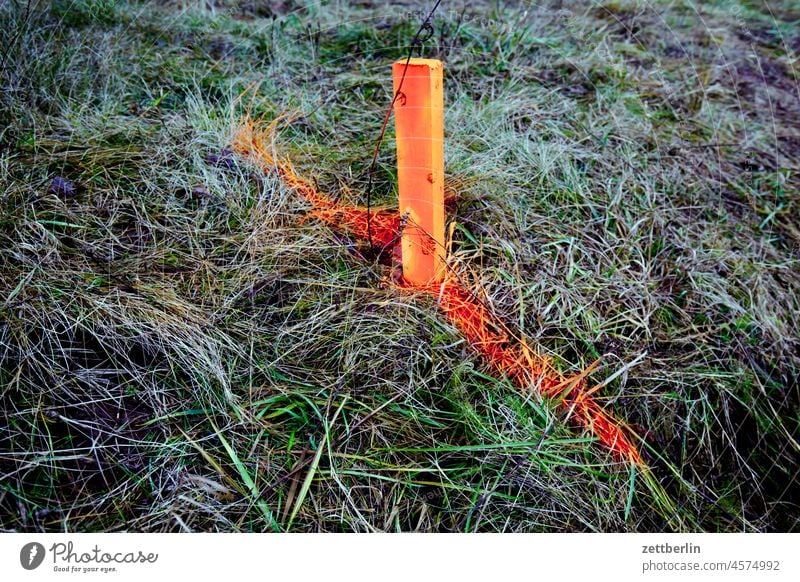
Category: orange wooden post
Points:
column 419, row 123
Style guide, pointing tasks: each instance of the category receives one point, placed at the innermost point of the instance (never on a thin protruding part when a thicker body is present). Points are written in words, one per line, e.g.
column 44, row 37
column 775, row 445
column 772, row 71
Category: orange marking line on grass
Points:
column 256, row 142
column 525, row 368
column 486, row 333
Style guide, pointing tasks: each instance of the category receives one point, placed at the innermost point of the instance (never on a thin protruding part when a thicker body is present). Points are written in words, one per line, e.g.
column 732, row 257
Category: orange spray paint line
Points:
column 485, row 332
column 419, row 128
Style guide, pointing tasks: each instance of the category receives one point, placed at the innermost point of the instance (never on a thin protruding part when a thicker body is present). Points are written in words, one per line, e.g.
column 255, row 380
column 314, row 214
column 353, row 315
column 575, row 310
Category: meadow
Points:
column 183, row 347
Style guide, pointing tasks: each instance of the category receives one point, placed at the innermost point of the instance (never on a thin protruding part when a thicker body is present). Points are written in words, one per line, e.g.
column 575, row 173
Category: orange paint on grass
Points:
column 255, row 142
column 526, row 369
column 487, row 335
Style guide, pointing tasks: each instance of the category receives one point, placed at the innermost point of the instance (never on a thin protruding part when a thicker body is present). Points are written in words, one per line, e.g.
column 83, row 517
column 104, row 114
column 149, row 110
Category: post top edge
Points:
column 430, row 63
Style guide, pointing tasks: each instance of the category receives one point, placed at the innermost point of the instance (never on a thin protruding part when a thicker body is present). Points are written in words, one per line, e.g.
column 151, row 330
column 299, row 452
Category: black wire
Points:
column 415, row 43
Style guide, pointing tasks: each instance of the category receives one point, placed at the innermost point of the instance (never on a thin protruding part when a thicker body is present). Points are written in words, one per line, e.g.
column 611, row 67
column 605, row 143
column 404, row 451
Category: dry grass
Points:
column 181, row 348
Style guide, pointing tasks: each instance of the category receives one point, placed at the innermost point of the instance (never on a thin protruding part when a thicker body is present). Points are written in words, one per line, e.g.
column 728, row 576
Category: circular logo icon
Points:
column 31, row 555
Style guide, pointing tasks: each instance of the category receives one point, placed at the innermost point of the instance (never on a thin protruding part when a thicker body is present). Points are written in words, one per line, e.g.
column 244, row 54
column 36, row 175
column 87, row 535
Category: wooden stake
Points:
column 419, row 123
